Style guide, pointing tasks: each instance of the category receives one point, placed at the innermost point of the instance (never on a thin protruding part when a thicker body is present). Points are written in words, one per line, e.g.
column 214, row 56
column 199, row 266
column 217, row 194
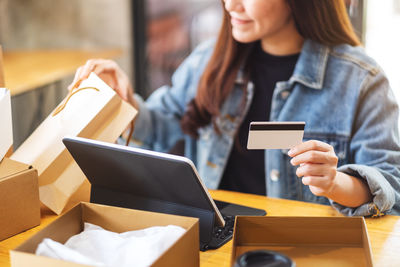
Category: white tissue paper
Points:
column 98, row 247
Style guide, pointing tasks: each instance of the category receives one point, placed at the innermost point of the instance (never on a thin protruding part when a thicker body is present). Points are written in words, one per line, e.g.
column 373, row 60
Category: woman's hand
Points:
column 111, row 74
column 317, row 165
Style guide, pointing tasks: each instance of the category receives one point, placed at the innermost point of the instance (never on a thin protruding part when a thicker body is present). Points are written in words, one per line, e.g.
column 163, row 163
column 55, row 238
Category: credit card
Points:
column 275, row 135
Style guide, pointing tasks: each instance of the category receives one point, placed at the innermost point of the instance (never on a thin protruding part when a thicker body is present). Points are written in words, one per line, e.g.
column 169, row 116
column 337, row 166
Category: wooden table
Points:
column 27, row 70
column 384, row 232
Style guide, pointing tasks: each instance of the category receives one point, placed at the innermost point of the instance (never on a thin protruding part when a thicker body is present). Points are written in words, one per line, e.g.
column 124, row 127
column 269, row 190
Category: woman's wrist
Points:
column 349, row 191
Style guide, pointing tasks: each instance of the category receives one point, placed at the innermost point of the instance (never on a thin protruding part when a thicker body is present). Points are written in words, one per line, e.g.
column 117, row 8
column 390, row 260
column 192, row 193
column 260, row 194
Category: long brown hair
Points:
column 323, row 21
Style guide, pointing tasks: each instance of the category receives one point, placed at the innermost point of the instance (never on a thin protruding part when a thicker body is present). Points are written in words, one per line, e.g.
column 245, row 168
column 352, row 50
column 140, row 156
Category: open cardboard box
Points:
column 184, row 252
column 19, row 198
column 308, row 241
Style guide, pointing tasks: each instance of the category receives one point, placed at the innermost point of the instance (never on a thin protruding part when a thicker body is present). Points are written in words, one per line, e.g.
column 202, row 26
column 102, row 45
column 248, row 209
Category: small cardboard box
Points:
column 19, row 198
column 308, row 241
column 184, row 252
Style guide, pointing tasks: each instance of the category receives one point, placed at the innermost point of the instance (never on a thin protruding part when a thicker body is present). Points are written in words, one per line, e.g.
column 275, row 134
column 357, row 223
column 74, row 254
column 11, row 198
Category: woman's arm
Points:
column 373, row 156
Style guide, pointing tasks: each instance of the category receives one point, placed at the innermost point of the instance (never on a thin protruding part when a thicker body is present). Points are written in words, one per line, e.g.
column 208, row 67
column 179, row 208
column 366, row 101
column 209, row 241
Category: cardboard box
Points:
column 184, row 252
column 19, row 198
column 308, row 241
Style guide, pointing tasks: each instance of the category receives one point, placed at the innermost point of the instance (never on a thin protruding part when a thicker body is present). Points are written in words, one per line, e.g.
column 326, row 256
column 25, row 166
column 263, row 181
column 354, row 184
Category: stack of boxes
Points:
column 19, row 192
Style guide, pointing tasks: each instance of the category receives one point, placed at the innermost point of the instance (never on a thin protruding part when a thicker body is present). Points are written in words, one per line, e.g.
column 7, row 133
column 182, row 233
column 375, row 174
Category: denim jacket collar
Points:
column 311, row 66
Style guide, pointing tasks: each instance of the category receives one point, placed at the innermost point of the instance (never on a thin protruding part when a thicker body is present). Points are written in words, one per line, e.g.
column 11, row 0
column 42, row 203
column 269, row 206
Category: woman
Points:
column 279, row 60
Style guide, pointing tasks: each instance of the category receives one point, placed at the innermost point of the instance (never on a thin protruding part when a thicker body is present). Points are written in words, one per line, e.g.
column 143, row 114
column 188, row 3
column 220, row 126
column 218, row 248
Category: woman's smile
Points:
column 239, row 22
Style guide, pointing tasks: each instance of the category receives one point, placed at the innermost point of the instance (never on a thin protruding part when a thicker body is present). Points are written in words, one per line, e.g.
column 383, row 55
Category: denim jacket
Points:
column 342, row 95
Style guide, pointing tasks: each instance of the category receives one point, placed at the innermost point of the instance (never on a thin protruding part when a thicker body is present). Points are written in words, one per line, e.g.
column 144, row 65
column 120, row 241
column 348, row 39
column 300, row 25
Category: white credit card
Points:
column 275, row 135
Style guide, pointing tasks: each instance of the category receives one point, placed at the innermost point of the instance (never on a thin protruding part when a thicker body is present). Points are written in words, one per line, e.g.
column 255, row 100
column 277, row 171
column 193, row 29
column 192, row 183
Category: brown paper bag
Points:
column 96, row 113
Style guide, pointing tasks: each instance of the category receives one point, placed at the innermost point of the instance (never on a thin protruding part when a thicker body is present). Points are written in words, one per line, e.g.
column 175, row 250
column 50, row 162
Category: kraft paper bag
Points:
column 93, row 111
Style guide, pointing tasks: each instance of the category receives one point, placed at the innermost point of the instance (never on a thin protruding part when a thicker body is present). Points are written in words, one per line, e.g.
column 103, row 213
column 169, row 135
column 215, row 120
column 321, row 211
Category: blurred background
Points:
column 45, row 41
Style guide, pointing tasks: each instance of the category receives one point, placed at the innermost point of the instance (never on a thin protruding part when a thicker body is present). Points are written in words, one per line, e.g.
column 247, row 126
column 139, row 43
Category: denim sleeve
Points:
column 375, row 149
column 157, row 126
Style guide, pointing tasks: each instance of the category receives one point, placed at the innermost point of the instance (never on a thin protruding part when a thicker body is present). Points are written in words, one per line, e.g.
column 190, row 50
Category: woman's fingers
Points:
column 100, row 66
column 89, row 67
column 311, row 170
column 316, row 181
column 318, row 191
column 314, row 156
column 317, row 165
column 321, row 170
column 110, row 73
column 319, row 186
column 92, row 65
column 310, row 145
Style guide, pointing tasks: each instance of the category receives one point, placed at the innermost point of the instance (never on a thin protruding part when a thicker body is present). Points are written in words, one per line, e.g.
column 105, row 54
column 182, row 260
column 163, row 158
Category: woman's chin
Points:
column 243, row 38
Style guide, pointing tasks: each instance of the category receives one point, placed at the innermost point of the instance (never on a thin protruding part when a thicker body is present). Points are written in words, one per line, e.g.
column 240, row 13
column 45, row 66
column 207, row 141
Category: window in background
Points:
column 41, row 26
column 356, row 11
column 383, row 38
column 172, row 30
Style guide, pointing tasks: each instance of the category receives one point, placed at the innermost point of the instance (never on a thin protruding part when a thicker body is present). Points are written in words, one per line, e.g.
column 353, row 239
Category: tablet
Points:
column 143, row 173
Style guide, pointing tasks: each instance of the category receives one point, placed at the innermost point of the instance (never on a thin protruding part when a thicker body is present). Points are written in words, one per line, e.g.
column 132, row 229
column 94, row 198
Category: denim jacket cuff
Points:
column 383, row 197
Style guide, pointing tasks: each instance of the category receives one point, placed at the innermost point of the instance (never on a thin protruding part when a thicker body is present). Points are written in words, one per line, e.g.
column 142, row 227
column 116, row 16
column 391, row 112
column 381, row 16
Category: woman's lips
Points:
column 237, row 21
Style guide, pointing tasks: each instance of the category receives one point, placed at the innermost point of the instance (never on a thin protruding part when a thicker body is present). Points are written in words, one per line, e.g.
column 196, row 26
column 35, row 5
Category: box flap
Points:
column 299, row 230
column 10, row 167
column 59, row 230
column 105, row 216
